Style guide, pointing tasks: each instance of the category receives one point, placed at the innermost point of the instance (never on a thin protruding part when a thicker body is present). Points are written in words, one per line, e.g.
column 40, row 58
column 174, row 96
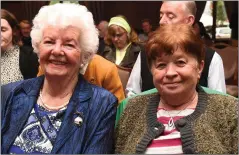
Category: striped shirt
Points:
column 170, row 141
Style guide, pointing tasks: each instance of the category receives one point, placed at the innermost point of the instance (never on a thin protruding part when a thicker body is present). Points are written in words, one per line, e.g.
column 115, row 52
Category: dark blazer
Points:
column 95, row 105
column 130, row 55
column 28, row 62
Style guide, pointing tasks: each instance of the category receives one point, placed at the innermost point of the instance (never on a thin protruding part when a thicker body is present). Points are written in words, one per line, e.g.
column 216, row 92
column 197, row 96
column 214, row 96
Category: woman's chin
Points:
column 171, row 91
column 55, row 74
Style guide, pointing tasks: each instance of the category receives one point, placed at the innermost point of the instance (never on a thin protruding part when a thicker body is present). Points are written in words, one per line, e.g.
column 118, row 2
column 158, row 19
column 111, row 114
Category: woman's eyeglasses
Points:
column 119, row 35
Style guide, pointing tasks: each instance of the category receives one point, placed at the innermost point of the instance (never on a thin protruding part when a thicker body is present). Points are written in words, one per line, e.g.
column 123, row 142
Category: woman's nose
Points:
column 57, row 50
column 171, row 70
column 115, row 38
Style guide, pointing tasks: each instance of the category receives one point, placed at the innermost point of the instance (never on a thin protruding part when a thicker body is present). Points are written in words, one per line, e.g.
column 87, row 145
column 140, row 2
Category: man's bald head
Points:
column 102, row 27
column 178, row 12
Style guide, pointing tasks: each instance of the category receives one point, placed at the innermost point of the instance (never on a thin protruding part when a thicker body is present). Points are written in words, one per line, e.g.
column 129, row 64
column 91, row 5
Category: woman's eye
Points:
column 48, row 42
column 161, row 65
column 181, row 63
column 69, row 46
column 3, row 29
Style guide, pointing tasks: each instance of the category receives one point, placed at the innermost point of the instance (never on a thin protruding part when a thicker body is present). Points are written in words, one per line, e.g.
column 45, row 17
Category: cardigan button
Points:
column 154, row 131
column 156, row 128
column 181, row 123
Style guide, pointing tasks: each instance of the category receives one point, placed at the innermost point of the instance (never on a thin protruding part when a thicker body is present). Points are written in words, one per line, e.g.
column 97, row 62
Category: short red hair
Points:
column 168, row 38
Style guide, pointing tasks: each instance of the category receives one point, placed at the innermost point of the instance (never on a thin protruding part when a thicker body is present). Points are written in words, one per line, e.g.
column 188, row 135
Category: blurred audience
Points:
column 122, row 43
column 147, row 30
column 201, row 31
column 25, row 29
column 102, row 27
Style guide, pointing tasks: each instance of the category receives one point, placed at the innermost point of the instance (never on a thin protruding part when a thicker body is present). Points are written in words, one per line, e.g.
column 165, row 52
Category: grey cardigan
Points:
column 211, row 129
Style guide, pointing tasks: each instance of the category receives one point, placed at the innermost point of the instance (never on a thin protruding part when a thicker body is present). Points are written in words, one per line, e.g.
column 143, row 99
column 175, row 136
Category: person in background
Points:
column 102, row 27
column 178, row 12
column 25, row 29
column 59, row 113
column 180, row 117
column 17, row 63
column 201, row 31
column 147, row 30
column 103, row 73
column 122, row 43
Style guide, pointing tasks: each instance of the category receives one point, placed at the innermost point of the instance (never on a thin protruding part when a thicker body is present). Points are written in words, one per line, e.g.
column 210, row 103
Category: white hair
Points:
column 64, row 15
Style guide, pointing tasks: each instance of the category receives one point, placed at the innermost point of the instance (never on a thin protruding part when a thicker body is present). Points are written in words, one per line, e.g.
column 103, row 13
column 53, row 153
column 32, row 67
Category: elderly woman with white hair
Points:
column 59, row 112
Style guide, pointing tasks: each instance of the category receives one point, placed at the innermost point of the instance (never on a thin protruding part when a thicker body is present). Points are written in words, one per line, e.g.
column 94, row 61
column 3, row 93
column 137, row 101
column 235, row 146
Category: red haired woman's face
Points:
column 176, row 75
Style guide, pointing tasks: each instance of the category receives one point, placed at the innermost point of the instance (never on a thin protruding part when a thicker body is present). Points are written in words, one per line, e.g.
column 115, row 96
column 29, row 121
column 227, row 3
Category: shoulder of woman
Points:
column 224, row 98
column 7, row 91
column 140, row 101
column 225, row 103
column 100, row 93
column 108, row 48
column 137, row 47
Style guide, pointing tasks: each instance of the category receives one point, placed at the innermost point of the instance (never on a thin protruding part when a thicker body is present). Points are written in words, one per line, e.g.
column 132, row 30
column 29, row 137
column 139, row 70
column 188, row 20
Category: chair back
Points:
column 229, row 55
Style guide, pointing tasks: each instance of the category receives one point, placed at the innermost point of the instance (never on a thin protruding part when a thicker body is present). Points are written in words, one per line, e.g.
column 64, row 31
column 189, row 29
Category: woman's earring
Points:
column 81, row 65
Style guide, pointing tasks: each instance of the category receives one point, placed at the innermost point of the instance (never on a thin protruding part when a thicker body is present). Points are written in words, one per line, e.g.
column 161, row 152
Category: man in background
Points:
column 147, row 29
column 25, row 29
column 102, row 27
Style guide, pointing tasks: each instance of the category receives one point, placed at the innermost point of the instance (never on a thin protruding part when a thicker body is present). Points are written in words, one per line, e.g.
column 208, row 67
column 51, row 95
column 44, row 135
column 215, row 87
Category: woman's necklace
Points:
column 51, row 108
column 171, row 121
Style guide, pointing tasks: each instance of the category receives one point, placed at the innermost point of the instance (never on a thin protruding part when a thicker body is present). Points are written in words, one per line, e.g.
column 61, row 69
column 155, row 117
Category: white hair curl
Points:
column 64, row 15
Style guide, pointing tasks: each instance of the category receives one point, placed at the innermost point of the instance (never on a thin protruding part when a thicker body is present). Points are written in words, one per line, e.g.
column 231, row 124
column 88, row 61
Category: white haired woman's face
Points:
column 59, row 51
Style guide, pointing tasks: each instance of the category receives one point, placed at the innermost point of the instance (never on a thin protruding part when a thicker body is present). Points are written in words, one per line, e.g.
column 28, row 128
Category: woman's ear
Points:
column 200, row 68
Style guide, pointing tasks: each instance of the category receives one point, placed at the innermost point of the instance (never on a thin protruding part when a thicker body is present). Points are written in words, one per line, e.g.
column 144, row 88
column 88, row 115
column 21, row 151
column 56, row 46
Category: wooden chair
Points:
column 124, row 74
column 229, row 55
column 234, row 42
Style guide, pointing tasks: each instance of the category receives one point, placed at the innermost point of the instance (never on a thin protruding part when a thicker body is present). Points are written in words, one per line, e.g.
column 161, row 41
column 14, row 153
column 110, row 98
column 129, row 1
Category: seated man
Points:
column 25, row 29
column 103, row 73
column 147, row 30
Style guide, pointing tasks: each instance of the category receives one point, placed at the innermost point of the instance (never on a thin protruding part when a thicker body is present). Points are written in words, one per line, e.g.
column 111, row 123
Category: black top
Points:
column 28, row 62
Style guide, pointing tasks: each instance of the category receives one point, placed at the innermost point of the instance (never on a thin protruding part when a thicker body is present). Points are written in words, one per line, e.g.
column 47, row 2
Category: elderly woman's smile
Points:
column 176, row 73
column 56, row 62
column 59, row 51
